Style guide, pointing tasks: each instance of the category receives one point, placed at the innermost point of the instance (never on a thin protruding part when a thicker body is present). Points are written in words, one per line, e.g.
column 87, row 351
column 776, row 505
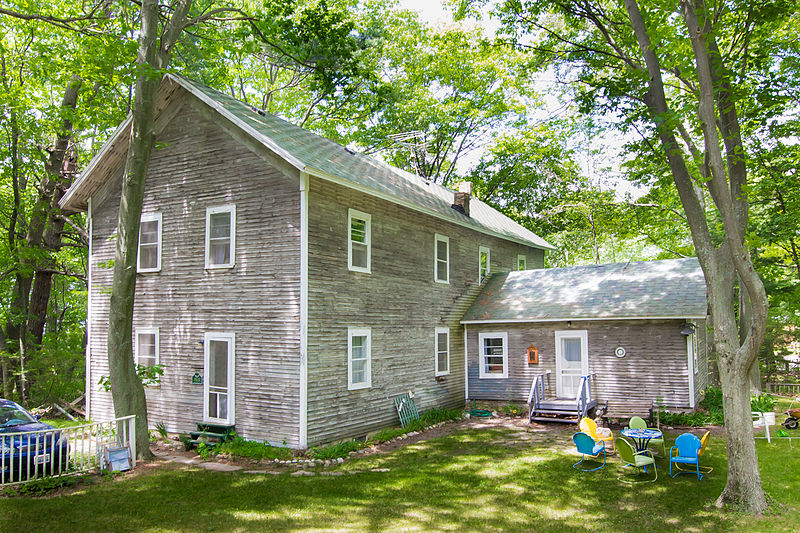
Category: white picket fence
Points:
column 785, row 389
column 29, row 455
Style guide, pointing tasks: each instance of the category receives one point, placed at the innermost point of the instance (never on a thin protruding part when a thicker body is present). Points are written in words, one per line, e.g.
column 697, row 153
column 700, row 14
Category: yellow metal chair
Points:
column 604, row 435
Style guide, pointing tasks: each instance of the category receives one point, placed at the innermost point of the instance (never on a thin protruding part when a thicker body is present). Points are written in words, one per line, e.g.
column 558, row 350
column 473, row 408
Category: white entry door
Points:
column 218, row 399
column 572, row 361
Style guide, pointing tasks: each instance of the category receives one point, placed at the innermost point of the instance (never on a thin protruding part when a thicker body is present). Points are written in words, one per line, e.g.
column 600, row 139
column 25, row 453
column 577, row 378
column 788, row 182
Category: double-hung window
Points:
column 442, row 351
column 359, row 347
column 148, row 258
column 493, row 355
column 522, row 262
column 441, row 259
column 359, row 241
column 484, row 263
column 220, row 236
column 146, row 346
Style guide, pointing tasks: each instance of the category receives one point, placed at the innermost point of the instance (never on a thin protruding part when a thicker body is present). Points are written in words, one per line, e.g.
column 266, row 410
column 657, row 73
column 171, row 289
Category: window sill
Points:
column 220, row 267
column 492, row 376
column 361, row 270
column 359, row 387
column 443, row 282
column 149, row 271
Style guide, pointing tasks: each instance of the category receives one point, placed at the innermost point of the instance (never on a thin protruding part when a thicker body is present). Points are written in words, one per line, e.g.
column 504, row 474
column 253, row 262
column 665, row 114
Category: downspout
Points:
column 466, row 366
column 303, row 418
column 89, row 264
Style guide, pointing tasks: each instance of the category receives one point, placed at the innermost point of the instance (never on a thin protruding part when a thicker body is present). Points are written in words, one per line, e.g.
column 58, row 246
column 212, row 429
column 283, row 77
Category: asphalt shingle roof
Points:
column 323, row 157
column 673, row 288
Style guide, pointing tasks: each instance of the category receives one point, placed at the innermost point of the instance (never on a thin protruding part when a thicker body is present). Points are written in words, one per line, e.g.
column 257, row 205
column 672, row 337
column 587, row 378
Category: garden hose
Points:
column 480, row 413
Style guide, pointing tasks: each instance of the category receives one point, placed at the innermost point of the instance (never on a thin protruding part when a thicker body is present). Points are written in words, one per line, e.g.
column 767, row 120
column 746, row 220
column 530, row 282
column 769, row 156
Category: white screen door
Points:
column 572, row 361
column 218, row 385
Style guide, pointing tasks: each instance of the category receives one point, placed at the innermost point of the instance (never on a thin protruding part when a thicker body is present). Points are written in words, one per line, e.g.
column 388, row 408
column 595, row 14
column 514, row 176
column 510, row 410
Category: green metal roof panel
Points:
column 648, row 289
column 318, row 155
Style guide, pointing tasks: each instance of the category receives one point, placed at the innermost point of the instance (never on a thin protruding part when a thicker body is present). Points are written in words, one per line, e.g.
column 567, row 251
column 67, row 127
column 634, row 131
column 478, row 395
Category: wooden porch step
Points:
column 209, row 434
column 553, row 419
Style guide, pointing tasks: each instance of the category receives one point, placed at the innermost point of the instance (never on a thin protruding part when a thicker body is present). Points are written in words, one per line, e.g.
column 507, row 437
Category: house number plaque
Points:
column 197, row 379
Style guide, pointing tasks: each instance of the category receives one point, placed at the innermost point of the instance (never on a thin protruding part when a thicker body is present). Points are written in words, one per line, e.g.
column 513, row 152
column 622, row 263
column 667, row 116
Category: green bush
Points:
column 710, row 410
column 763, row 402
column 333, row 451
column 253, row 449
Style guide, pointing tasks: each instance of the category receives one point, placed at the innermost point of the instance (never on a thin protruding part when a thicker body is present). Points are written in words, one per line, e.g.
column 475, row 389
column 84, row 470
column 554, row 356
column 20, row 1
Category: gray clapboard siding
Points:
column 201, row 165
column 656, row 363
column 398, row 300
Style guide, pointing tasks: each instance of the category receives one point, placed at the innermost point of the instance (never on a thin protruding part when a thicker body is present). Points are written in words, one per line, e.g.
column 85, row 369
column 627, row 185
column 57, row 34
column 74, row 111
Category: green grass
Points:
column 252, row 449
column 63, row 422
column 472, row 480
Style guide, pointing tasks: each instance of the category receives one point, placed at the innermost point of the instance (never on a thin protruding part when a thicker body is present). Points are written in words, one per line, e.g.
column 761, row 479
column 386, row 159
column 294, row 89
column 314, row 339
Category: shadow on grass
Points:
column 474, row 480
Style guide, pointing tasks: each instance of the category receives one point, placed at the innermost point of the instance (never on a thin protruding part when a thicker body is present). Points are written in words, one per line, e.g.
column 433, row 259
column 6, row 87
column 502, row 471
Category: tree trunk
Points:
column 126, row 387
column 736, row 344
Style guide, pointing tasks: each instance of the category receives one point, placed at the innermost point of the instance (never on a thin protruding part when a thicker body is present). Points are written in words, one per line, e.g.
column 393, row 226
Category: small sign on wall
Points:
column 197, row 379
column 533, row 355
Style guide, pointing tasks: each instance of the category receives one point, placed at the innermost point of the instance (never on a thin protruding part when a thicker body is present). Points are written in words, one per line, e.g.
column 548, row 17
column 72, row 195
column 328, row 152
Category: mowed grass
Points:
column 472, row 480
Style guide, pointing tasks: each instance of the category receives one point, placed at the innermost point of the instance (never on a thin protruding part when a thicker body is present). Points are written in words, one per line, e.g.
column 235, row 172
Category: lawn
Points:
column 497, row 479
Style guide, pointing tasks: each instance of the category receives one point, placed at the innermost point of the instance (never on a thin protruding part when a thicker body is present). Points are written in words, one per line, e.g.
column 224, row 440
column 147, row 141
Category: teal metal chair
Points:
column 685, row 452
column 587, row 446
column 639, row 423
column 635, row 459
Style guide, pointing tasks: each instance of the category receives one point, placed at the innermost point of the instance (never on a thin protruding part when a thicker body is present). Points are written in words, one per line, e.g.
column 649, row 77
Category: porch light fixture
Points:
column 687, row 329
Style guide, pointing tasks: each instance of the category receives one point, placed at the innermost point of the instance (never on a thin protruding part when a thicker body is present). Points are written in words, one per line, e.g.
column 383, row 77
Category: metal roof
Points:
column 671, row 288
column 328, row 160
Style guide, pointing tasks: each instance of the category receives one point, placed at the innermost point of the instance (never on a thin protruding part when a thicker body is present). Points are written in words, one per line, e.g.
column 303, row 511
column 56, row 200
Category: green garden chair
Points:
column 638, row 460
column 639, row 423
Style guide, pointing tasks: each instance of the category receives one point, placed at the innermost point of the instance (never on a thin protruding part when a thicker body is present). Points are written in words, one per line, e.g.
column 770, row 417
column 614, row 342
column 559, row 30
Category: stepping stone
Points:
column 331, row 473
column 301, row 473
column 254, row 472
column 180, row 459
column 379, row 470
column 220, row 467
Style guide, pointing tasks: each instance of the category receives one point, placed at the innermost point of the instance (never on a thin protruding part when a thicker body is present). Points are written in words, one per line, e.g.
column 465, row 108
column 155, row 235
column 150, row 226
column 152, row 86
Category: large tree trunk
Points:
column 736, row 344
column 126, row 387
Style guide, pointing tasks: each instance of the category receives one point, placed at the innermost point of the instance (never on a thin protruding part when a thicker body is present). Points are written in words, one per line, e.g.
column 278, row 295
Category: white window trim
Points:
column 482, row 374
column 436, row 240
column 524, row 259
column 145, row 331
column 228, row 208
column 359, row 332
column 481, row 250
column 437, row 332
column 149, row 218
column 230, row 338
column 354, row 213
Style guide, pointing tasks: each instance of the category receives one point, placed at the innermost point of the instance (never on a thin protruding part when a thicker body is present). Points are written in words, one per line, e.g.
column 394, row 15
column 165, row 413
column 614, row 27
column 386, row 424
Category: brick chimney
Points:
column 462, row 196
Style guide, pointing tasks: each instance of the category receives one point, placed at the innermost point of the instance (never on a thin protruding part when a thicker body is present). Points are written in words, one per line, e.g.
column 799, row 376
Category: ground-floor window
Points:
column 493, row 355
column 359, row 372
column 442, row 351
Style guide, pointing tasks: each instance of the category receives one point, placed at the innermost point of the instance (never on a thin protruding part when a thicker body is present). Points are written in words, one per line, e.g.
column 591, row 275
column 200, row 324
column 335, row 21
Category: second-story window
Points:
column 148, row 258
column 359, row 241
column 522, row 262
column 484, row 263
column 441, row 272
column 220, row 236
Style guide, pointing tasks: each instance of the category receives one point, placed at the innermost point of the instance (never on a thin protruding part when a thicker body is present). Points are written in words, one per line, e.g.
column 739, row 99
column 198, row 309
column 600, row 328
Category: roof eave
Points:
column 582, row 319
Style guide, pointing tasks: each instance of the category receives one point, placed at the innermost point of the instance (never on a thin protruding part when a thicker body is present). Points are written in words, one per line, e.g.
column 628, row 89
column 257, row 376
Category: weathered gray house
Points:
column 639, row 329
column 288, row 285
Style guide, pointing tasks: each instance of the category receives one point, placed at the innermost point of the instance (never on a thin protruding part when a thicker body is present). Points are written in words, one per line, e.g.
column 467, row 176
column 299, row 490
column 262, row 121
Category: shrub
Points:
column 763, row 402
column 253, row 449
column 333, row 451
column 710, row 410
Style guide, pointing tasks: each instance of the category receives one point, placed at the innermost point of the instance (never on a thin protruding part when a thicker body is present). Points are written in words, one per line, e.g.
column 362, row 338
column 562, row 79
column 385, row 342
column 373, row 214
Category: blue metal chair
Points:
column 587, row 446
column 685, row 452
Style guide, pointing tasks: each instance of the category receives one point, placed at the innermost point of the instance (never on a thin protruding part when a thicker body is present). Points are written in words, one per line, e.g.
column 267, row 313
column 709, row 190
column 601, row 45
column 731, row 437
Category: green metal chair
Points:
column 635, row 459
column 639, row 423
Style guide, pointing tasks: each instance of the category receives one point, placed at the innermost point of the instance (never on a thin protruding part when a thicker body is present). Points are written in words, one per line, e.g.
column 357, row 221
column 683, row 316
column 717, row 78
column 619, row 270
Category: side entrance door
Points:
column 572, row 361
column 218, row 386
